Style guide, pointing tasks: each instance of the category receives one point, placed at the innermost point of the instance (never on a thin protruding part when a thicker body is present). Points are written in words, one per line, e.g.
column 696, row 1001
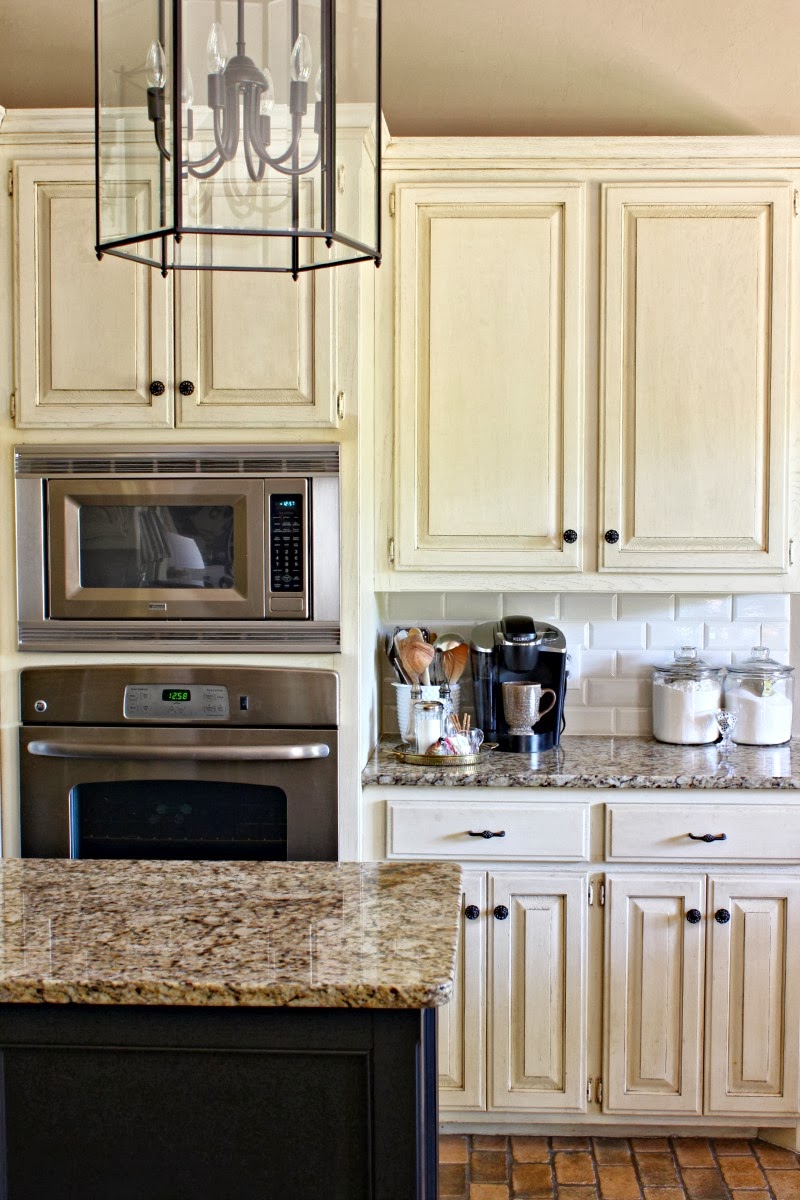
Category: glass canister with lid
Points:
column 686, row 695
column 760, row 692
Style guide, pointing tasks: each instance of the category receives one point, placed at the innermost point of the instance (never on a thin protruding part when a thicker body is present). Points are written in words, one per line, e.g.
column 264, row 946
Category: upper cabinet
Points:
column 694, row 390
column 489, row 296
column 584, row 360
column 114, row 345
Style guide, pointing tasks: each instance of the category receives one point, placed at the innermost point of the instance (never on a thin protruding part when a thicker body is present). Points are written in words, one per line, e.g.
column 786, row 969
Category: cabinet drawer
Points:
column 448, row 830
column 753, row 833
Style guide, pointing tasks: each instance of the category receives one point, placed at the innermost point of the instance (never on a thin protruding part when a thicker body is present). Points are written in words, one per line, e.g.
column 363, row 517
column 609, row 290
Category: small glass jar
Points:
column 428, row 724
column 760, row 692
column 686, row 695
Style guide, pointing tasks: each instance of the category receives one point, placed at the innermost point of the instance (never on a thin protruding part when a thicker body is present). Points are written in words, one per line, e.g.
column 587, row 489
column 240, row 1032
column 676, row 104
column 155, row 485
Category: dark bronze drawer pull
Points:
column 708, row 837
column 486, row 833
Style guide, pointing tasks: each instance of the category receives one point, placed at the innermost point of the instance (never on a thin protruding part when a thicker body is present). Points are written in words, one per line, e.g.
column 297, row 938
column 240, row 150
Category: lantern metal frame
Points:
column 177, row 228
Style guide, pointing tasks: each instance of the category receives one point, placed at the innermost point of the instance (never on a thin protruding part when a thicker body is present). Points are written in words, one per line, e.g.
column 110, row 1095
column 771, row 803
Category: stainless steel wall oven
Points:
column 179, row 762
column 199, row 547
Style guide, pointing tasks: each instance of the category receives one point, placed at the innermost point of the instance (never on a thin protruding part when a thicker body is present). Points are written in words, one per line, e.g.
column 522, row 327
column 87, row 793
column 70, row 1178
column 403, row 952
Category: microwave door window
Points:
column 156, row 546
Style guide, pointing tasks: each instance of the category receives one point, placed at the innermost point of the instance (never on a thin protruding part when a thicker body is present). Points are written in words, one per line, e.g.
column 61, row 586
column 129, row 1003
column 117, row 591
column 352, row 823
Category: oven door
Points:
column 175, row 792
column 155, row 549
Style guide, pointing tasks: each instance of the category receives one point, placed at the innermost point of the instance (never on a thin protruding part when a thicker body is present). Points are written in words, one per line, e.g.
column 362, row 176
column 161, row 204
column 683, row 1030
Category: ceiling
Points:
column 513, row 67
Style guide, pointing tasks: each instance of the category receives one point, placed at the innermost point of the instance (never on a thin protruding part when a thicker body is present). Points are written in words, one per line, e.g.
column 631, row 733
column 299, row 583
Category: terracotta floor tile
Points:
column 483, row 1141
column 614, row 1152
column 571, row 1143
column 704, row 1183
column 742, row 1171
column 657, row 1170
column 532, row 1179
column 749, row 1195
column 488, row 1166
column 775, row 1156
column 785, row 1184
column 664, row 1193
column 647, row 1145
column 693, row 1152
column 452, row 1148
column 576, row 1193
column 452, row 1180
column 530, row 1149
column 724, row 1146
column 489, row 1191
column 573, row 1167
column 618, row 1183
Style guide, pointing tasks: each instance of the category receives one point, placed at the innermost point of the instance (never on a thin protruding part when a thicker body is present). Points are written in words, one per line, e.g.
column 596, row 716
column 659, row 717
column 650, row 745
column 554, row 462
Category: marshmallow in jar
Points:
column 686, row 695
column 759, row 690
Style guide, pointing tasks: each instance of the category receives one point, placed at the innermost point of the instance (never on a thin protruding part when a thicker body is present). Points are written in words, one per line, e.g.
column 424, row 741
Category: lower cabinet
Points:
column 702, row 1011
column 514, row 1035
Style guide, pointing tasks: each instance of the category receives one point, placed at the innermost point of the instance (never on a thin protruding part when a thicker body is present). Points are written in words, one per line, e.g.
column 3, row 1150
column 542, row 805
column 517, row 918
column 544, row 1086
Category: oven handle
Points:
column 207, row 753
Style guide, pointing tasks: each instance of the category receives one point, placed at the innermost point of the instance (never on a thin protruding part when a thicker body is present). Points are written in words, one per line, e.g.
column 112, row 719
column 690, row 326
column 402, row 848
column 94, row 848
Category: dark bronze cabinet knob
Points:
column 501, row 912
column 157, row 388
column 694, row 916
column 611, row 536
column 472, row 912
column 570, row 536
column 722, row 916
column 186, row 387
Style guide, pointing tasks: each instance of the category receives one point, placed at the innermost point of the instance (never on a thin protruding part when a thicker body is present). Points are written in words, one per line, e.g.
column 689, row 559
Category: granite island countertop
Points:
column 329, row 935
column 602, row 762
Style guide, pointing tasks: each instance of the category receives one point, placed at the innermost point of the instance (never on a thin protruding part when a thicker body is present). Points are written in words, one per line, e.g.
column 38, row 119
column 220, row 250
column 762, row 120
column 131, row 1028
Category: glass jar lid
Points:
column 429, row 706
column 687, row 665
column 760, row 665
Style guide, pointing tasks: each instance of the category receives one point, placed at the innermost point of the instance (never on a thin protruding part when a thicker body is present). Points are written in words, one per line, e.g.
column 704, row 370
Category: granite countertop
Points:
column 602, row 762
column 329, row 935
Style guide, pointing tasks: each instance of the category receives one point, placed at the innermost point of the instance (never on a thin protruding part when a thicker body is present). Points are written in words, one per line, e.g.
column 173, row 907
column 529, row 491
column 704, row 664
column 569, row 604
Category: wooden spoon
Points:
column 454, row 661
column 416, row 656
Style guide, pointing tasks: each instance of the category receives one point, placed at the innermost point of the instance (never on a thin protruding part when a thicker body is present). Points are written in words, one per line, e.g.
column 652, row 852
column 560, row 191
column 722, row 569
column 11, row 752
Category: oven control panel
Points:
column 175, row 702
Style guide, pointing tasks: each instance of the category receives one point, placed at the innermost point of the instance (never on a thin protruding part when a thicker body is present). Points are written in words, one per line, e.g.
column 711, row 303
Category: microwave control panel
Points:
column 175, row 702
column 287, row 516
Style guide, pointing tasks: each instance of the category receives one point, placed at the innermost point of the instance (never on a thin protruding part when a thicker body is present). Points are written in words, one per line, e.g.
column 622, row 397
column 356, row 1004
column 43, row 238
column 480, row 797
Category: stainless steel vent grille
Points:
column 292, row 637
column 64, row 461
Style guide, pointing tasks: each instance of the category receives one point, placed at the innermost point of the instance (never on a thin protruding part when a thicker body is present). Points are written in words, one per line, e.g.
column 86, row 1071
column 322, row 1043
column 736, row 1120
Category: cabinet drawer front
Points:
column 758, row 833
column 453, row 830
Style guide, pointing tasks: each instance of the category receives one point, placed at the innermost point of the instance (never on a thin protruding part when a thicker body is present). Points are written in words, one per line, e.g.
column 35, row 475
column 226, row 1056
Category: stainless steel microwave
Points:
column 200, row 547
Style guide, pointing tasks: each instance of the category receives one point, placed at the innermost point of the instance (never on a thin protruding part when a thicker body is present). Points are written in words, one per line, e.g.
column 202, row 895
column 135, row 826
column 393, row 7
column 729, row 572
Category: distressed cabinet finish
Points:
column 702, row 1008
column 695, row 385
column 462, row 1022
column 489, row 345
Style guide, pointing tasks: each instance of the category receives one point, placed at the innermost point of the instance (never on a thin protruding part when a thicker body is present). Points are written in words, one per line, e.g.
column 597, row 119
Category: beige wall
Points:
column 514, row 67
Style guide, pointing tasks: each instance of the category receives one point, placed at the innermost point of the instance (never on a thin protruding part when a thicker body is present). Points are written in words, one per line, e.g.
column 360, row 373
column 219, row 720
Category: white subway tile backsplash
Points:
column 613, row 641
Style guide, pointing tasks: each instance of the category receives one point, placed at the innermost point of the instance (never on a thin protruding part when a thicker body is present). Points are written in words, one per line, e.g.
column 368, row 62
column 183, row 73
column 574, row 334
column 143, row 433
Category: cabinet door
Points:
column 258, row 348
column 462, row 1022
column 538, row 996
column 91, row 336
column 695, row 384
column 654, row 995
column 489, row 376
column 753, row 1010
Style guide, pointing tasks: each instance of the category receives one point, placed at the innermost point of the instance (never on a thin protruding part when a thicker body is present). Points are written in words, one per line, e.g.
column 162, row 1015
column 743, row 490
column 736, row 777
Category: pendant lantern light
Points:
column 266, row 159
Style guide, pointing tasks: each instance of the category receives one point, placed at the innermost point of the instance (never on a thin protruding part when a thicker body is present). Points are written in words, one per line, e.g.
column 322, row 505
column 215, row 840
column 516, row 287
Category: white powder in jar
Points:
column 762, row 720
column 684, row 710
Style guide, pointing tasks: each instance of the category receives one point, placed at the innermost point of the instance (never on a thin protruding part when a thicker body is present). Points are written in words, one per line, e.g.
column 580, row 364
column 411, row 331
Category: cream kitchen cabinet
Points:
column 702, row 1012
column 114, row 345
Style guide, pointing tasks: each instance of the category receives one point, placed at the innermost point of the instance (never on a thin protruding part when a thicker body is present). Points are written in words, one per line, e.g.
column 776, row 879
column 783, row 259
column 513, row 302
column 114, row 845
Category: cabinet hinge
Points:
column 11, row 183
column 795, row 202
column 590, row 899
column 589, row 1083
column 392, row 204
column 12, row 405
column 601, row 894
column 341, row 179
column 391, row 550
column 791, row 552
column 340, row 405
column 598, row 1090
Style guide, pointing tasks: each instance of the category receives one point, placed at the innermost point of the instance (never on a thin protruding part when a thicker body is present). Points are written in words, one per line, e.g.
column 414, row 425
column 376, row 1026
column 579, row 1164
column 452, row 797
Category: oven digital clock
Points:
column 171, row 695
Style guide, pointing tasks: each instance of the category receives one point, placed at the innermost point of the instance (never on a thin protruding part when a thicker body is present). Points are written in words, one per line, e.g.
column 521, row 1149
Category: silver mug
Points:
column 522, row 705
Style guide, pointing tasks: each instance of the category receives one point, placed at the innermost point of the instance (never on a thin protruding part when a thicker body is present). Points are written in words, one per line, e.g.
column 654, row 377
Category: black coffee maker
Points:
column 518, row 650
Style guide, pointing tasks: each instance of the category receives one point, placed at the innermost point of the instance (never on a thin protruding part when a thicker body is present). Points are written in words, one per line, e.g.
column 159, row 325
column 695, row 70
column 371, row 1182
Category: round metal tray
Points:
column 444, row 760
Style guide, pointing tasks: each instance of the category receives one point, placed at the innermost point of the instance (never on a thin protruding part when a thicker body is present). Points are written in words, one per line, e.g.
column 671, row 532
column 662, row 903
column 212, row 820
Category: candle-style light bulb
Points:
column 216, row 50
column 187, row 87
column 266, row 101
column 301, row 59
column 156, row 65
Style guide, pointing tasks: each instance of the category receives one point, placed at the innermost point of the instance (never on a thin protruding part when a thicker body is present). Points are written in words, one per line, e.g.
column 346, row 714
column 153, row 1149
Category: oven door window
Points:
column 169, row 819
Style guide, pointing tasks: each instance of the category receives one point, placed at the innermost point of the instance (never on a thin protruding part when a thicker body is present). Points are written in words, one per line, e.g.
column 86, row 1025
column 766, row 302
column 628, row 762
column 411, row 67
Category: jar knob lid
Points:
column 760, row 653
column 686, row 654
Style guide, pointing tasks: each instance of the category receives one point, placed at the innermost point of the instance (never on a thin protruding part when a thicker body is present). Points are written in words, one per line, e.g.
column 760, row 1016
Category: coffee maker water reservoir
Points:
column 518, row 650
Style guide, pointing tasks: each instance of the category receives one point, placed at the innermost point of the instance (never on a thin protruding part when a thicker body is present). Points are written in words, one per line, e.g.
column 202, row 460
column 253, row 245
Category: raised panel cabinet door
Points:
column 462, row 1022
column 537, row 1003
column 91, row 336
column 654, row 971
column 695, row 385
column 489, row 343
column 258, row 348
column 753, row 1005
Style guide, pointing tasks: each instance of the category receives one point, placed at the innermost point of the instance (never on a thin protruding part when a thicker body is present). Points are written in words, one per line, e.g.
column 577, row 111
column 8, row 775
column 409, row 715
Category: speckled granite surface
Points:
column 602, row 762
column 329, row 935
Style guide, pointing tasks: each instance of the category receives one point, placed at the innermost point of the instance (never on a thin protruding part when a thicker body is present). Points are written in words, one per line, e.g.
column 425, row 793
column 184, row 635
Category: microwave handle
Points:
column 162, row 753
